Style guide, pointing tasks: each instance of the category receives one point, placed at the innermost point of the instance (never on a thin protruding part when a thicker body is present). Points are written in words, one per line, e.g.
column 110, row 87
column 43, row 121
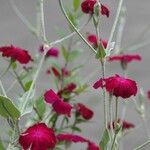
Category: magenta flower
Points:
column 71, row 138
column 118, row 86
column 68, row 89
column 125, row 58
column 16, row 54
column 92, row 146
column 104, row 10
column 92, row 38
column 59, row 106
column 84, row 111
column 52, row 52
column 37, row 136
column 87, row 7
column 62, row 108
column 56, row 72
column 148, row 94
column 65, row 72
column 76, row 138
column 48, row 71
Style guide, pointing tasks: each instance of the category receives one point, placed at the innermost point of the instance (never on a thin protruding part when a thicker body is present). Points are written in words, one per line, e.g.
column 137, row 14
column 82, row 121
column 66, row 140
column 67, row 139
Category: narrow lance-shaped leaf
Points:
column 64, row 52
column 8, row 109
column 76, row 4
column 1, row 145
column 100, row 52
column 104, row 141
column 29, row 104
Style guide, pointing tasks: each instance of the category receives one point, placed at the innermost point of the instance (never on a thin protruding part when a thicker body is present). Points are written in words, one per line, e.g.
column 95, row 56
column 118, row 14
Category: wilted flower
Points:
column 38, row 137
column 16, row 54
column 118, row 86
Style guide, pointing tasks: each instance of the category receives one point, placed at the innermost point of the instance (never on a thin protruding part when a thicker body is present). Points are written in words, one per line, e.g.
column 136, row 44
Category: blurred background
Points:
column 13, row 31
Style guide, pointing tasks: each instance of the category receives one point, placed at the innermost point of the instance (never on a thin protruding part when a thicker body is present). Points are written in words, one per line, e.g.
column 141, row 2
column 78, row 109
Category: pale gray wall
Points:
column 13, row 31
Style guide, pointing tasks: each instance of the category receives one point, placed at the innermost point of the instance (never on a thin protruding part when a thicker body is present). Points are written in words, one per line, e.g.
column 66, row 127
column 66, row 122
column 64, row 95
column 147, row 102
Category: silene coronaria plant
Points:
column 54, row 117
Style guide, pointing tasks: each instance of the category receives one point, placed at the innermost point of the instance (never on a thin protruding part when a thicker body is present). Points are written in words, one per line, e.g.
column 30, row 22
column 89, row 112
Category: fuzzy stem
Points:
column 143, row 145
column 42, row 59
column 42, row 21
column 116, row 120
column 115, row 23
column 72, row 25
column 3, row 90
column 69, row 35
column 110, row 114
column 19, row 80
column 104, row 95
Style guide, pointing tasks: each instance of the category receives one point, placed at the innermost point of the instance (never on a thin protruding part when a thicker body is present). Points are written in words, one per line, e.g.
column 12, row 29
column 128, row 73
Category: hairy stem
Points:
column 143, row 145
column 115, row 125
column 72, row 25
column 115, row 23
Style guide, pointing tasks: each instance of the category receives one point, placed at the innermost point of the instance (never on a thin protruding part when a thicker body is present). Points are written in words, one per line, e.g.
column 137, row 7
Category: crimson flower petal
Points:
column 76, row 138
column 56, row 72
column 59, row 106
column 87, row 6
column 92, row 146
column 50, row 96
column 148, row 94
column 118, row 86
column 84, row 111
column 62, row 108
column 36, row 136
column 125, row 58
column 53, row 52
column 104, row 10
column 71, row 138
column 98, row 84
column 16, row 53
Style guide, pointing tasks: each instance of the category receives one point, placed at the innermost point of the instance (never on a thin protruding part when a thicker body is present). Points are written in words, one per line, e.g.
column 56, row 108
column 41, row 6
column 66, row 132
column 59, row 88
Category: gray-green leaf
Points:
column 8, row 109
column 29, row 104
column 101, row 52
column 105, row 139
column 76, row 4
